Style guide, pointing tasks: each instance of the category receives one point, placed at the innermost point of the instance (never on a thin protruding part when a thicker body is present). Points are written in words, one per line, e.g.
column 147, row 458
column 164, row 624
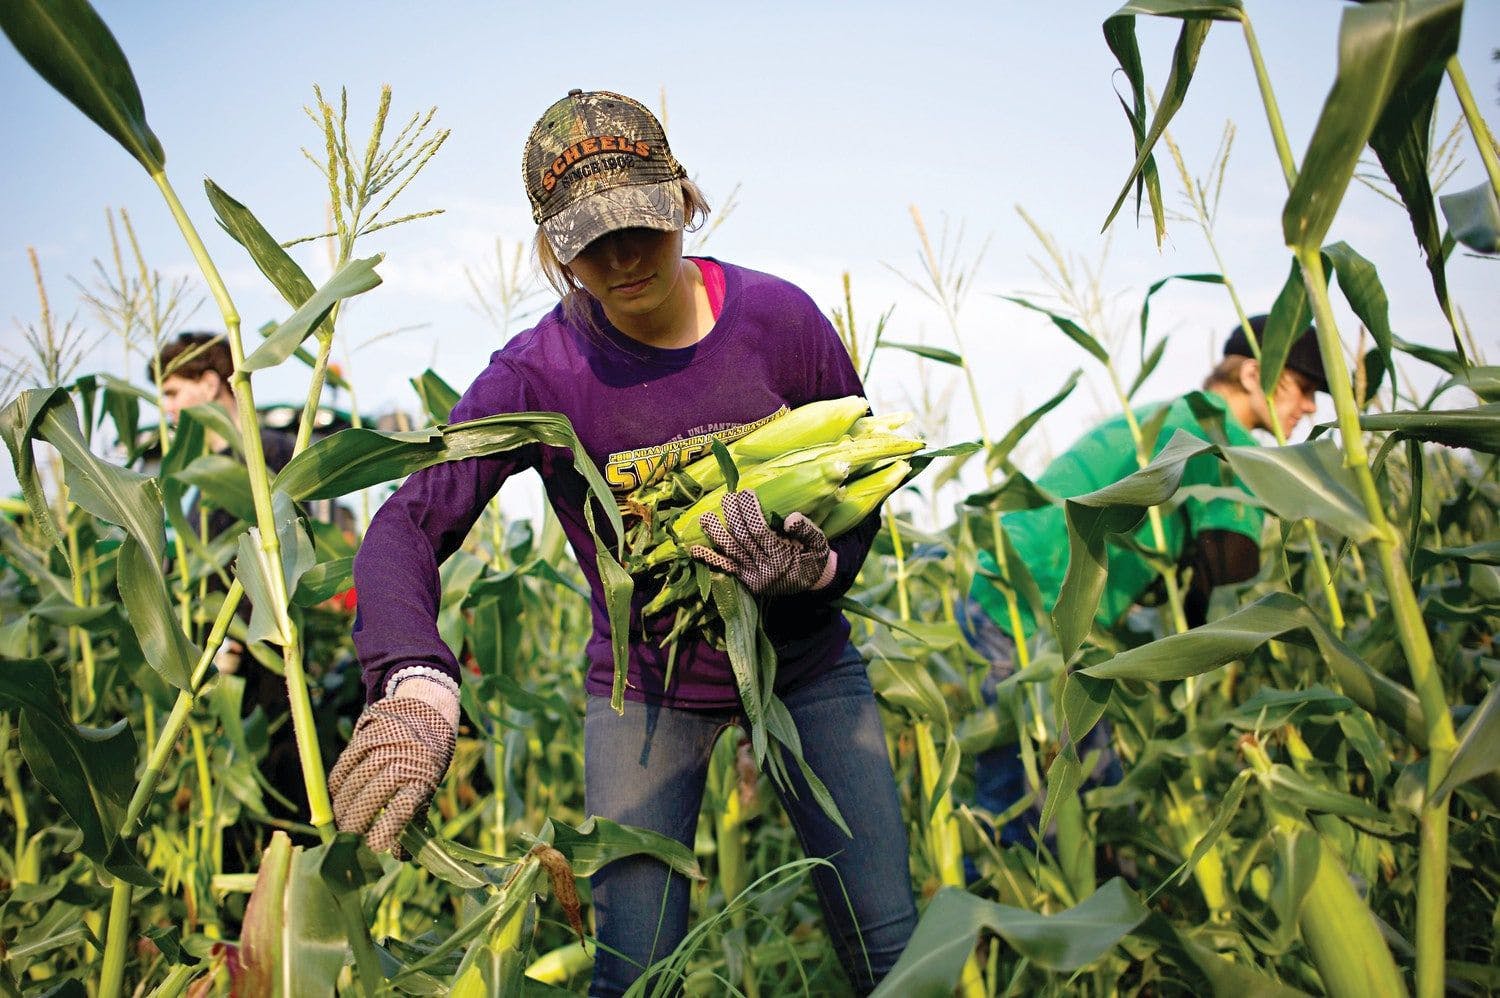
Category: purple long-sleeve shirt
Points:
column 632, row 406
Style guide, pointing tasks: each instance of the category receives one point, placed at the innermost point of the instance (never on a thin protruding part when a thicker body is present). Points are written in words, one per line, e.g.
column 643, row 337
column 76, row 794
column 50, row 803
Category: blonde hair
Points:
column 575, row 298
column 1226, row 373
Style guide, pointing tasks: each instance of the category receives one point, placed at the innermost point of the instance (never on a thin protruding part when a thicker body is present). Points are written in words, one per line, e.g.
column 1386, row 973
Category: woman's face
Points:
column 631, row 271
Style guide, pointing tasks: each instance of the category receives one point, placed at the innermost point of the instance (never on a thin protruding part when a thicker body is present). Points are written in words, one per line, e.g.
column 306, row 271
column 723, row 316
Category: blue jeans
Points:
column 648, row 768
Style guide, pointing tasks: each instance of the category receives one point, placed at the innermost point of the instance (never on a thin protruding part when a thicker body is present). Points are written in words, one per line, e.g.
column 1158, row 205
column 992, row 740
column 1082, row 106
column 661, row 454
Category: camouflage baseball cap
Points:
column 596, row 162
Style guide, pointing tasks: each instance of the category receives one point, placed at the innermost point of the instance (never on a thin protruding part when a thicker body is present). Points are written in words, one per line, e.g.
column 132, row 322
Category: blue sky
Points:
column 832, row 119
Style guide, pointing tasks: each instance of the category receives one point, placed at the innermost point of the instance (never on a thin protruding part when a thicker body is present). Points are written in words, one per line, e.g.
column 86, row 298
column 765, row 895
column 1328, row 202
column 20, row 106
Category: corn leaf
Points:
column 345, row 869
column 1081, row 705
column 19, row 424
column 999, row 454
column 598, row 841
column 1290, row 314
column 1115, row 509
column 1474, row 218
column 1482, row 381
column 1070, row 329
column 254, row 569
column 116, row 495
column 1295, row 865
column 1270, row 708
column 1304, row 481
column 324, row 581
column 1483, row 553
column 1014, row 492
column 1290, row 788
column 358, row 458
column 1447, row 360
column 1477, row 428
column 1365, row 294
column 1275, row 616
column 1227, row 807
column 1478, row 752
column 1064, row 777
column 222, row 482
column 783, row 730
column 1151, row 292
column 353, row 278
column 438, row 397
column 90, row 771
column 285, row 275
column 144, row 593
column 937, row 354
column 1227, row 977
column 1148, row 367
column 71, row 48
column 292, row 940
column 1387, row 55
column 1119, row 33
column 945, row 937
column 741, row 619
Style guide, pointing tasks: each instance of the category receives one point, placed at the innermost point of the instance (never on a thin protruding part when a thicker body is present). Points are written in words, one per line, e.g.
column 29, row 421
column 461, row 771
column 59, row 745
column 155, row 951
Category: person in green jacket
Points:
column 1218, row 539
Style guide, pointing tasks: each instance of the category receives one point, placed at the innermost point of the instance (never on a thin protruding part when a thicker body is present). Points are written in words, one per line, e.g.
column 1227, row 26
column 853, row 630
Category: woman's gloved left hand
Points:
column 769, row 562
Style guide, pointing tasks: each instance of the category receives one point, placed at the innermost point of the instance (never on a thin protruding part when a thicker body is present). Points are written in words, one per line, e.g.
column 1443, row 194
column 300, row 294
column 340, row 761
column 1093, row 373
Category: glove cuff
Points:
column 429, row 691
column 830, row 569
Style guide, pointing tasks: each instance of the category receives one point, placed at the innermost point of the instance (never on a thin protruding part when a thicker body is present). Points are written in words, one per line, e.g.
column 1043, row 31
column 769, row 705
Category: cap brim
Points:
column 633, row 206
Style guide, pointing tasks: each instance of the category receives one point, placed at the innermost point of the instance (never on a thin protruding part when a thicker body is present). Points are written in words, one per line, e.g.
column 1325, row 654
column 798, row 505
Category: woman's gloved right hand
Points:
column 401, row 749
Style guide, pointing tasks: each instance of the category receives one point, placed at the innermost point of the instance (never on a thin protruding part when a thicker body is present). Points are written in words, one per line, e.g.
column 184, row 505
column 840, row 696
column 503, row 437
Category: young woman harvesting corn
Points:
column 652, row 356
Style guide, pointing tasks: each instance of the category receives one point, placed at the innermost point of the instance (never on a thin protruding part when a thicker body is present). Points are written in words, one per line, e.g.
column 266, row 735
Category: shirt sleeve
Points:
column 425, row 521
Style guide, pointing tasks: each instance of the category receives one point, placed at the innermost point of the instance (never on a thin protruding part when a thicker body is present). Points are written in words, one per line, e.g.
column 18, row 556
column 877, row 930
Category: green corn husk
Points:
column 887, row 423
column 801, row 428
column 1346, row 945
column 870, row 451
column 814, row 423
column 781, row 490
column 860, row 497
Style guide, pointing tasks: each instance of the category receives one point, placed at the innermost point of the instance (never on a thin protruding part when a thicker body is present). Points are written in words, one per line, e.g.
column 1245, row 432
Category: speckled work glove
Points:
column 768, row 562
column 401, row 748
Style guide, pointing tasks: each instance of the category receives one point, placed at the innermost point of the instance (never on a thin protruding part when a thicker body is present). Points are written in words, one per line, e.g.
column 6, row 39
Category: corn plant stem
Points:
column 205, row 785
column 1289, row 171
column 1309, row 529
column 313, row 774
column 943, row 841
column 314, row 392
column 1415, row 643
column 1477, row 126
column 85, row 643
column 119, row 914
column 26, row 869
column 729, row 834
column 497, row 769
column 112, row 974
column 1273, row 110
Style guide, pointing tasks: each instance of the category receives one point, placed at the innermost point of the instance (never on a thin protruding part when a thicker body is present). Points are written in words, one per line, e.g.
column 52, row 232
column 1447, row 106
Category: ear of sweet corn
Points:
column 795, row 463
column 1347, row 948
column 860, row 497
column 814, row 423
column 806, row 426
column 781, row 491
column 887, row 423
